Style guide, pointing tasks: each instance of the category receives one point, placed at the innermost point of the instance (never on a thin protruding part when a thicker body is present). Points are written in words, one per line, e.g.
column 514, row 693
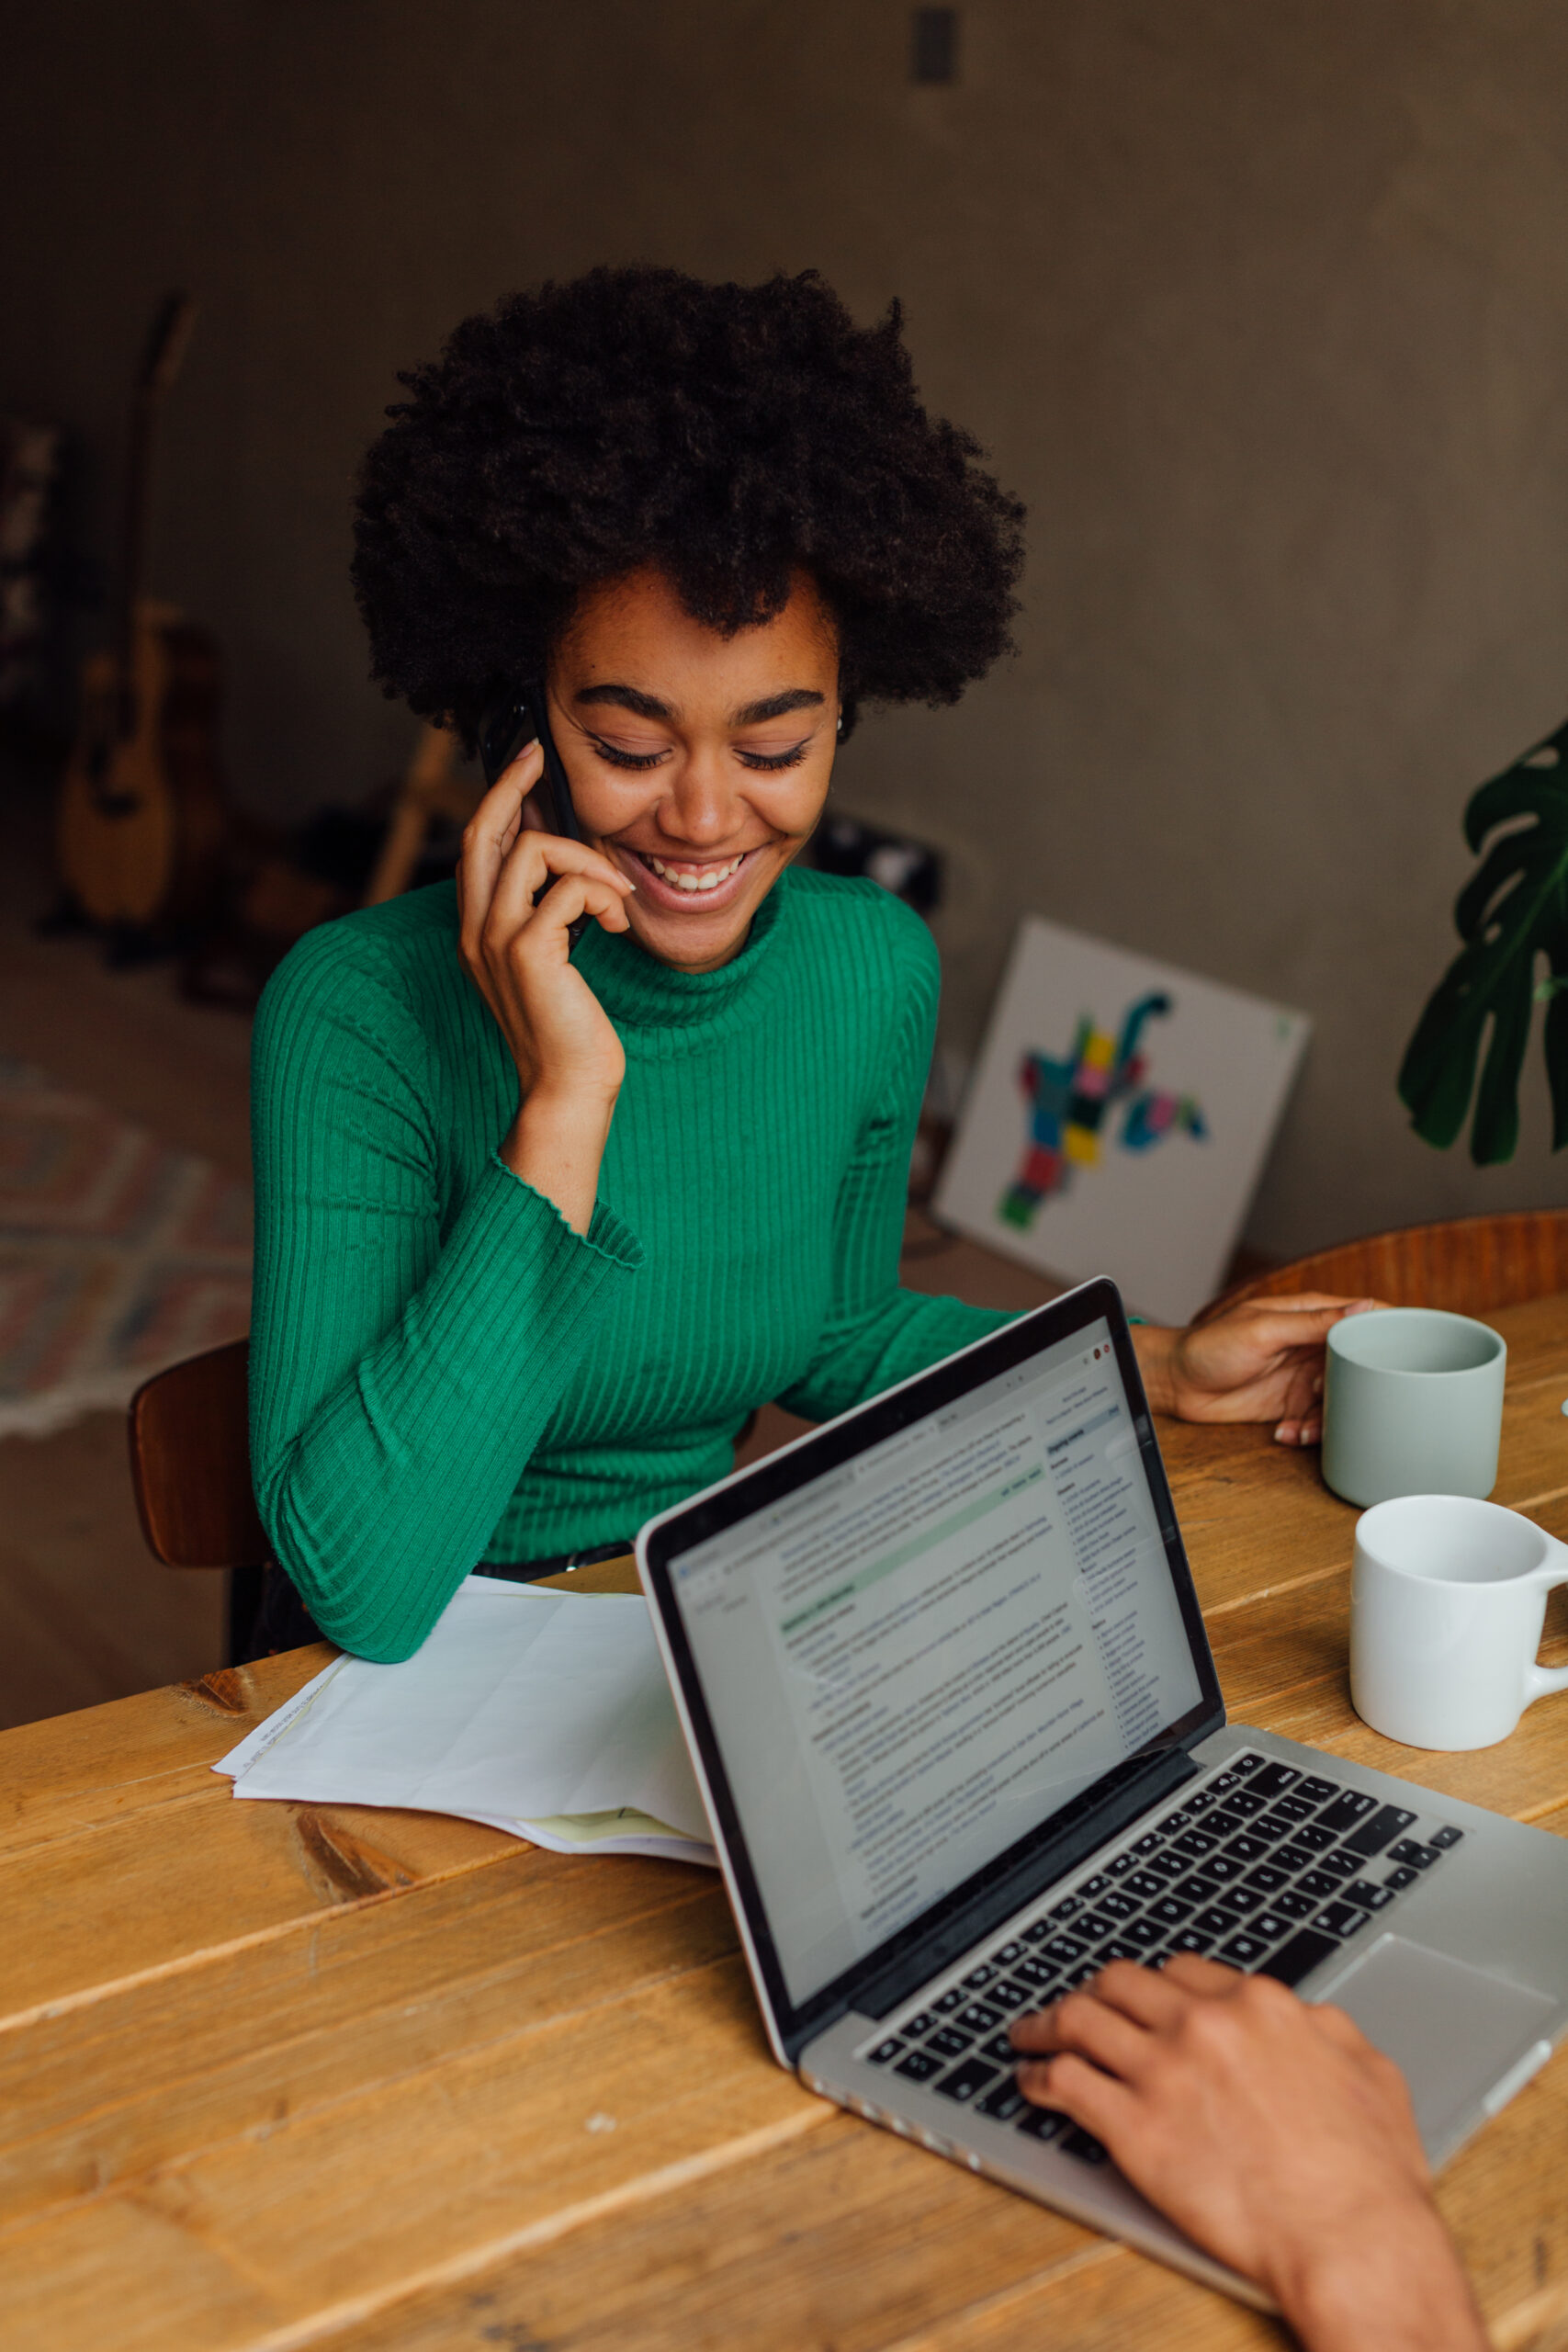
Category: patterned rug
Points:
column 117, row 1255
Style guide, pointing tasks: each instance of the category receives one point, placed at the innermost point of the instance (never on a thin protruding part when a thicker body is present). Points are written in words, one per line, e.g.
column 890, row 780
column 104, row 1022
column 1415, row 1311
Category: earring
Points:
column 841, row 726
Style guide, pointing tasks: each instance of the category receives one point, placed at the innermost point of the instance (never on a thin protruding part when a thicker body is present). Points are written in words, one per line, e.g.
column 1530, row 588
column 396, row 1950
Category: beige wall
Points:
column 1264, row 309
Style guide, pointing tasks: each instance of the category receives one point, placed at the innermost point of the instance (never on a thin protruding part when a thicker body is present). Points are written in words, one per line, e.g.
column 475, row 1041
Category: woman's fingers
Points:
column 487, row 837
column 535, row 862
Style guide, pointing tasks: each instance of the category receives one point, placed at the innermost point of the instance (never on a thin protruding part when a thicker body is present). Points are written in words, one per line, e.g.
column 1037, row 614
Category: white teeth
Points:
column 693, row 884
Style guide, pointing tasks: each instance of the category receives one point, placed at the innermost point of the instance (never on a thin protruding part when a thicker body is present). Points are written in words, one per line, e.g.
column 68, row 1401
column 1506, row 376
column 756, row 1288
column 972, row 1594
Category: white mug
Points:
column 1448, row 1597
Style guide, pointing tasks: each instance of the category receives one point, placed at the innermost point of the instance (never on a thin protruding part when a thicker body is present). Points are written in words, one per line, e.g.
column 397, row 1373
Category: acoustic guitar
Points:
column 141, row 810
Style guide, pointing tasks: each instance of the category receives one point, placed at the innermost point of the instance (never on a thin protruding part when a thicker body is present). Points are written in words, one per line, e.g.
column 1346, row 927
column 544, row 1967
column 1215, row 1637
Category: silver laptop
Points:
column 945, row 1683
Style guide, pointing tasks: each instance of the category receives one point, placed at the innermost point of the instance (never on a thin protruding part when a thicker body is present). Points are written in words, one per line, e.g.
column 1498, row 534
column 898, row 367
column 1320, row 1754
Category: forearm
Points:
column 1398, row 2287
column 380, row 1490
column 556, row 1145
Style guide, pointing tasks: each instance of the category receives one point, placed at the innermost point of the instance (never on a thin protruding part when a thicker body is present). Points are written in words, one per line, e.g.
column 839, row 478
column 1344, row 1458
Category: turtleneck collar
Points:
column 660, row 1011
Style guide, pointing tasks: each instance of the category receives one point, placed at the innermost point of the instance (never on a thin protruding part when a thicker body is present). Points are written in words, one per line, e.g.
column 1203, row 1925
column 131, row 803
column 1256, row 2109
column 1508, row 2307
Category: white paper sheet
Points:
column 539, row 1711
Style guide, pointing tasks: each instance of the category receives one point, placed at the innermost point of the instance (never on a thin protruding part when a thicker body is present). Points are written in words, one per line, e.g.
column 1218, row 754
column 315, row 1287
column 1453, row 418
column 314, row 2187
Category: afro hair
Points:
column 726, row 433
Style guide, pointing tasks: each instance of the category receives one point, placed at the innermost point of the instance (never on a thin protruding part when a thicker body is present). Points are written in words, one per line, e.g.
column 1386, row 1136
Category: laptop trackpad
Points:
column 1455, row 2033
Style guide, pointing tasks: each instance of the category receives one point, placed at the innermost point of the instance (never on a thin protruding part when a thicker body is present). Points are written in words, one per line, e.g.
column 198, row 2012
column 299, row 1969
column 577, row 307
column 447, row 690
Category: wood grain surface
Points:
column 278, row 2075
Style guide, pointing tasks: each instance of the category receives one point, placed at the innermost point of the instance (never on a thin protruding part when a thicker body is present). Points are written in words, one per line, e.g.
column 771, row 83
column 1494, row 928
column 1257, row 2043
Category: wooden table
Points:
column 275, row 2075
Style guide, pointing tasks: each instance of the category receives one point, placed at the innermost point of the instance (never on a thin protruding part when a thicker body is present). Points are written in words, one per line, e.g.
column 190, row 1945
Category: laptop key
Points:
column 1063, row 1950
column 1194, row 1844
column 1342, row 1862
column 1370, row 1897
column 1270, row 1925
column 1085, row 2146
column 1415, row 1857
column 1002, row 2104
column 1295, row 1807
column 920, row 2024
column 998, row 2049
column 1009, row 1995
column 1226, row 1823
column 885, row 2051
column 1100, row 1922
column 1242, row 1951
column 979, row 1977
column 1248, row 1802
column 1083, row 1973
column 1340, row 1920
column 1299, row 1957
column 1171, row 1911
column 1224, row 1867
column 1316, row 1791
column 1242, row 1897
column 1144, row 1932
column 945, row 2003
column 1117, row 1949
column 1191, row 1939
column 948, row 2042
column 1243, row 1765
column 1095, row 1885
column 1248, row 1848
column 966, row 2080
column 1121, row 1865
column 1349, row 1808
column 1042, row 2122
column 1120, row 1904
column 1167, row 1864
column 1216, row 1922
column 1196, row 1889
column 1147, row 1843
column 1445, row 1838
column 1034, row 1972
column 1007, row 1953
column 1380, row 1830
column 919, row 2066
column 1313, row 1838
column 1275, row 1779
column 1320, row 1885
column 979, row 2017
column 1173, row 1823
column 1068, row 1907
column 1293, row 1906
column 1268, row 1877
column 1143, row 1884
column 1399, row 1880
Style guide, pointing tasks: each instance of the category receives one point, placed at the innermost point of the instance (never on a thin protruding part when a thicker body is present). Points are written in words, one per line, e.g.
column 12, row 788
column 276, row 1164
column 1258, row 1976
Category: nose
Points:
column 703, row 807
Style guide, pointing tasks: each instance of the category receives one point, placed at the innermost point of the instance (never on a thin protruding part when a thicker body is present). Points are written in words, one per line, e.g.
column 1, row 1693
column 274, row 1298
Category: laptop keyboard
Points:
column 1266, row 1868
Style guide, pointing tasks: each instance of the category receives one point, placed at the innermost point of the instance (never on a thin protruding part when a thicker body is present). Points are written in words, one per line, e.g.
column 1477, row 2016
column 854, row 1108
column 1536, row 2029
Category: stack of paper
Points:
column 540, row 1712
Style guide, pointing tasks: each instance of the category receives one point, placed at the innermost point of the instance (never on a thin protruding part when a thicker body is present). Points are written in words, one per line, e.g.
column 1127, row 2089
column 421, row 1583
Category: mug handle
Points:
column 1540, row 1681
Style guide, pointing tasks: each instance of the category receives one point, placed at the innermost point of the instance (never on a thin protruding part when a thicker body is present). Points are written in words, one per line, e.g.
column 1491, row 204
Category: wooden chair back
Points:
column 1470, row 1265
column 191, row 1470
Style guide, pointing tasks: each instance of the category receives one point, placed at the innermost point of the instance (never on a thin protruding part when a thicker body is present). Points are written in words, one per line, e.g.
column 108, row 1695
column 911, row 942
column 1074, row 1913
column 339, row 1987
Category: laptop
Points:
column 944, row 1680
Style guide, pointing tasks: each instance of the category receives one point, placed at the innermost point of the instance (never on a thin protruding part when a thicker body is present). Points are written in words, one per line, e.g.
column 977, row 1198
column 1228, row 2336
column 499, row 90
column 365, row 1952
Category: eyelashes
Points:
column 762, row 762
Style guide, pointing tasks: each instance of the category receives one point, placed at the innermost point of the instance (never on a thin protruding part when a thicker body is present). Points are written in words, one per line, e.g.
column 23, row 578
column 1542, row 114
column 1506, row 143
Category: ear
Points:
column 530, row 819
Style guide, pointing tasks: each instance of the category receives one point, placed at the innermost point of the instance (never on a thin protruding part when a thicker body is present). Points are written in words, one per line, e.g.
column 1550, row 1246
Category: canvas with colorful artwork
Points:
column 1118, row 1119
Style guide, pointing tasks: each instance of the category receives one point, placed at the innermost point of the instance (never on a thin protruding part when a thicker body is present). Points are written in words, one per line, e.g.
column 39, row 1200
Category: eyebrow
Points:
column 752, row 714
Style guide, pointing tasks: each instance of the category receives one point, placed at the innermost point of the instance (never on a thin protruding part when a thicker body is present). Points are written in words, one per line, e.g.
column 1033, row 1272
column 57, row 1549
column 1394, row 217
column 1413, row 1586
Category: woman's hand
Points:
column 1274, row 2134
column 1260, row 1362
column 569, row 1060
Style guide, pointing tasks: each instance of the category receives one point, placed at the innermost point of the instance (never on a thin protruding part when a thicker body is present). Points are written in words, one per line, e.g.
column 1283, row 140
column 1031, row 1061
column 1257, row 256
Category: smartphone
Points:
column 520, row 717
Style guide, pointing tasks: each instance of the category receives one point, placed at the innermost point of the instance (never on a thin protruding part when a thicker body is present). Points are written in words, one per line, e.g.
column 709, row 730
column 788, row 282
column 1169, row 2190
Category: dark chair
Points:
column 191, row 1470
column 1471, row 1265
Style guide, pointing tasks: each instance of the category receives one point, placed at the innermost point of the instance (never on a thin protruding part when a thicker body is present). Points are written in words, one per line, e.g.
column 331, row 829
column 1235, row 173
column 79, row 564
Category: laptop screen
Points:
column 913, row 1659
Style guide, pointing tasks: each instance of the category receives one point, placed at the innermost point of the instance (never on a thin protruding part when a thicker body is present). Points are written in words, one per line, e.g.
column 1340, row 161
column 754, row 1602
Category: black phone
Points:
column 519, row 718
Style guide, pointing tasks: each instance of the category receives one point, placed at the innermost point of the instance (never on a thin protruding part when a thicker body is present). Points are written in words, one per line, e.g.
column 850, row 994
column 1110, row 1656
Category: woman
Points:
column 538, row 1228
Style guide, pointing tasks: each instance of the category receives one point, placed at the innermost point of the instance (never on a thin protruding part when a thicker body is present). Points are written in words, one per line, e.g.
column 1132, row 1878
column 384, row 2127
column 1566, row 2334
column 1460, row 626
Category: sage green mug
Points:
column 1412, row 1405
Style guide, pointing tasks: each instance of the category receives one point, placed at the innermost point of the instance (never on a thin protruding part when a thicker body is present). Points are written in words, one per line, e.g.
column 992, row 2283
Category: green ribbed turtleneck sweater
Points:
column 442, row 1371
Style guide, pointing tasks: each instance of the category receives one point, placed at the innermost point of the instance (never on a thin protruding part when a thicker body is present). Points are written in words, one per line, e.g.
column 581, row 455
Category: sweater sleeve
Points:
column 877, row 1333
column 401, row 1375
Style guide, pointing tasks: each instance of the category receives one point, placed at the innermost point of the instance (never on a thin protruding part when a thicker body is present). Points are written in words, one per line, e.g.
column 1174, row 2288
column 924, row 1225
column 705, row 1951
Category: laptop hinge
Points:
column 1041, row 1870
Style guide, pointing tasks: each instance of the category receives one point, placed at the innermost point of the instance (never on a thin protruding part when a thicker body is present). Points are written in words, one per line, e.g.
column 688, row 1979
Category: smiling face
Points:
column 698, row 763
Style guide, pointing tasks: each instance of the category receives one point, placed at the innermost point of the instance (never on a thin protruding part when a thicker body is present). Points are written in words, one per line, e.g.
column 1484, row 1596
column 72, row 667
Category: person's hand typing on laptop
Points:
column 1274, row 2134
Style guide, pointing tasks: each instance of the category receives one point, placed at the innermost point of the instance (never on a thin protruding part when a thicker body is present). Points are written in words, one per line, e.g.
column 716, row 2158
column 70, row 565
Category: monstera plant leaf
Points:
column 1511, row 913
